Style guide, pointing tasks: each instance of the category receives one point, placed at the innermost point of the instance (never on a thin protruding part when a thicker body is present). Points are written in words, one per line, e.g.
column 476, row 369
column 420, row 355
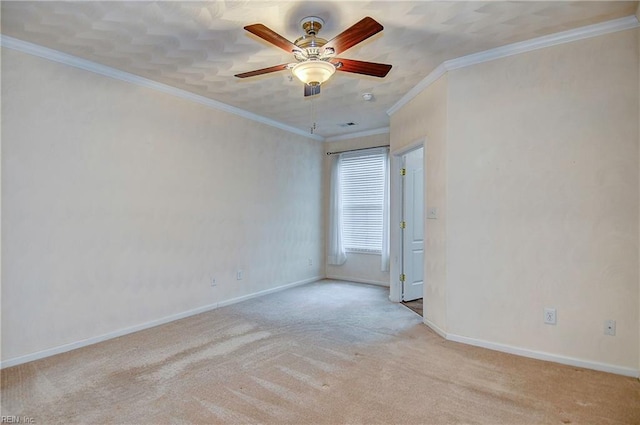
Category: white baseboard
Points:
column 540, row 355
column 351, row 279
column 268, row 291
column 435, row 328
column 110, row 335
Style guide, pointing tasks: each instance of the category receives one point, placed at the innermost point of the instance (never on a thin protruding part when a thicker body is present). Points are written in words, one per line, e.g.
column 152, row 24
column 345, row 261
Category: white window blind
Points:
column 363, row 181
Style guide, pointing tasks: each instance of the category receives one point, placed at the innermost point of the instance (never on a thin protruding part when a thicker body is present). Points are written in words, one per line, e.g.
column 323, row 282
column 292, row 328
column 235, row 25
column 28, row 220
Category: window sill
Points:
column 353, row 251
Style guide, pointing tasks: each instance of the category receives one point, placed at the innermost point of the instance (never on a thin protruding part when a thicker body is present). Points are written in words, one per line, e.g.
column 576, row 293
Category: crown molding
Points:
column 364, row 133
column 418, row 88
column 621, row 24
column 87, row 65
column 589, row 31
column 615, row 25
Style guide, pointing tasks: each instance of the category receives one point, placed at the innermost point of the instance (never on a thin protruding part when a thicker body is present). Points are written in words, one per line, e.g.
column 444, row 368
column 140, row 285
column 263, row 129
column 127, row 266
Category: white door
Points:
column 413, row 232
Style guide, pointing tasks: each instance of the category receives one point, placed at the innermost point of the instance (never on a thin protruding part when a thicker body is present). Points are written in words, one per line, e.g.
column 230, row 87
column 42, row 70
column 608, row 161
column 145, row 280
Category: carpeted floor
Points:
column 306, row 356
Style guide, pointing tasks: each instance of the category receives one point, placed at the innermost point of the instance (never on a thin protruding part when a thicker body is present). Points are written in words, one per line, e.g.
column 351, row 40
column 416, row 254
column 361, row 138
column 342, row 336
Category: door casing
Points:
column 395, row 216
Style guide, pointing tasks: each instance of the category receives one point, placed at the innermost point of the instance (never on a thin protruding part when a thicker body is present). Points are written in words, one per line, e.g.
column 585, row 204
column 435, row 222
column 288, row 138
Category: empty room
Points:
column 320, row 212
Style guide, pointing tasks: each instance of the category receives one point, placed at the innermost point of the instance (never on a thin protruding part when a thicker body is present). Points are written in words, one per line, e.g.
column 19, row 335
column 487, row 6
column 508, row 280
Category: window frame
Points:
column 359, row 182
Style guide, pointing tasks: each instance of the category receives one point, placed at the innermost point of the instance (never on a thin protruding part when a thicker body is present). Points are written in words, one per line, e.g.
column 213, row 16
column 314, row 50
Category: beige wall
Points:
column 120, row 204
column 358, row 267
column 542, row 198
column 424, row 119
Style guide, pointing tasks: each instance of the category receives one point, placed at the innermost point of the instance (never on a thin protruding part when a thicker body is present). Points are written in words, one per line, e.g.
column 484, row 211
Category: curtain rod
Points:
column 361, row 149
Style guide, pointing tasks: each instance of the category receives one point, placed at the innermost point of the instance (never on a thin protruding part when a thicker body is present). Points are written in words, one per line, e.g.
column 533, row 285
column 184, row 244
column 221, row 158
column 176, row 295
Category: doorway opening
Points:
column 412, row 225
column 408, row 189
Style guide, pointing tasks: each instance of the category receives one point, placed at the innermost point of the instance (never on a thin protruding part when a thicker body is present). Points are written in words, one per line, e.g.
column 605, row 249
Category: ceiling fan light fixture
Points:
column 313, row 72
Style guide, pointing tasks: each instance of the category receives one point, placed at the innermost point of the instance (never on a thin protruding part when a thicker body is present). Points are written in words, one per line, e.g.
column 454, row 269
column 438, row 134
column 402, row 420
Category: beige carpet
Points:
column 306, row 356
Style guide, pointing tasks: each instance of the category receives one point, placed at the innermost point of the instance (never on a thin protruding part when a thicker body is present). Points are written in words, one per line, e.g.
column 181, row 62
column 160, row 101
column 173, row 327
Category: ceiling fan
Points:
column 315, row 57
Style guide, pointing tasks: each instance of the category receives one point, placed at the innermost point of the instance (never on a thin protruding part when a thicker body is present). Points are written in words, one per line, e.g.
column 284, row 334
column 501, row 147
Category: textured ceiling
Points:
column 199, row 46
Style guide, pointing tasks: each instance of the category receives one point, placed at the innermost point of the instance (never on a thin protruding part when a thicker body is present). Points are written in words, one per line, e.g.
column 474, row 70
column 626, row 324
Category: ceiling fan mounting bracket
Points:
column 311, row 24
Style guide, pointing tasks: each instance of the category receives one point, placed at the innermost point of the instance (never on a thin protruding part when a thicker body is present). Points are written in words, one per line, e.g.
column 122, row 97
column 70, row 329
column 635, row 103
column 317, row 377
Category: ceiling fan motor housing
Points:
column 311, row 26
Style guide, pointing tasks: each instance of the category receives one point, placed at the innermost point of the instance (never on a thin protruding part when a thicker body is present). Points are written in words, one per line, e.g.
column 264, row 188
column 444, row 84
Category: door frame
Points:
column 395, row 216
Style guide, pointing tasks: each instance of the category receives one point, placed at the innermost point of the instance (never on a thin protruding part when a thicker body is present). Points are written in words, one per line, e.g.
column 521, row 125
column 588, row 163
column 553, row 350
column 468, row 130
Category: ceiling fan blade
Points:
column 360, row 31
column 311, row 90
column 360, row 67
column 271, row 36
column 263, row 71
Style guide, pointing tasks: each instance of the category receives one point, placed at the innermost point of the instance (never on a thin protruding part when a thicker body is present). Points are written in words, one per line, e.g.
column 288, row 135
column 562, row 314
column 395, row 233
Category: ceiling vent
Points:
column 348, row 124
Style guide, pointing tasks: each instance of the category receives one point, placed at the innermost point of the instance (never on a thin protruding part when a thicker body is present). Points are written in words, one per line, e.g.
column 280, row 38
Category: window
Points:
column 363, row 190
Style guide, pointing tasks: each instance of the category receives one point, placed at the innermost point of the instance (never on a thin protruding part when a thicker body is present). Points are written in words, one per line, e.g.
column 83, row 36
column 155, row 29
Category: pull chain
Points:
column 313, row 116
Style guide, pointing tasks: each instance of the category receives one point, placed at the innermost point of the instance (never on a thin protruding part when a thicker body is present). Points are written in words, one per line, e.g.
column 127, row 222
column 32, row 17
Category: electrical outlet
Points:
column 213, row 282
column 239, row 275
column 550, row 317
column 310, row 262
column 610, row 327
